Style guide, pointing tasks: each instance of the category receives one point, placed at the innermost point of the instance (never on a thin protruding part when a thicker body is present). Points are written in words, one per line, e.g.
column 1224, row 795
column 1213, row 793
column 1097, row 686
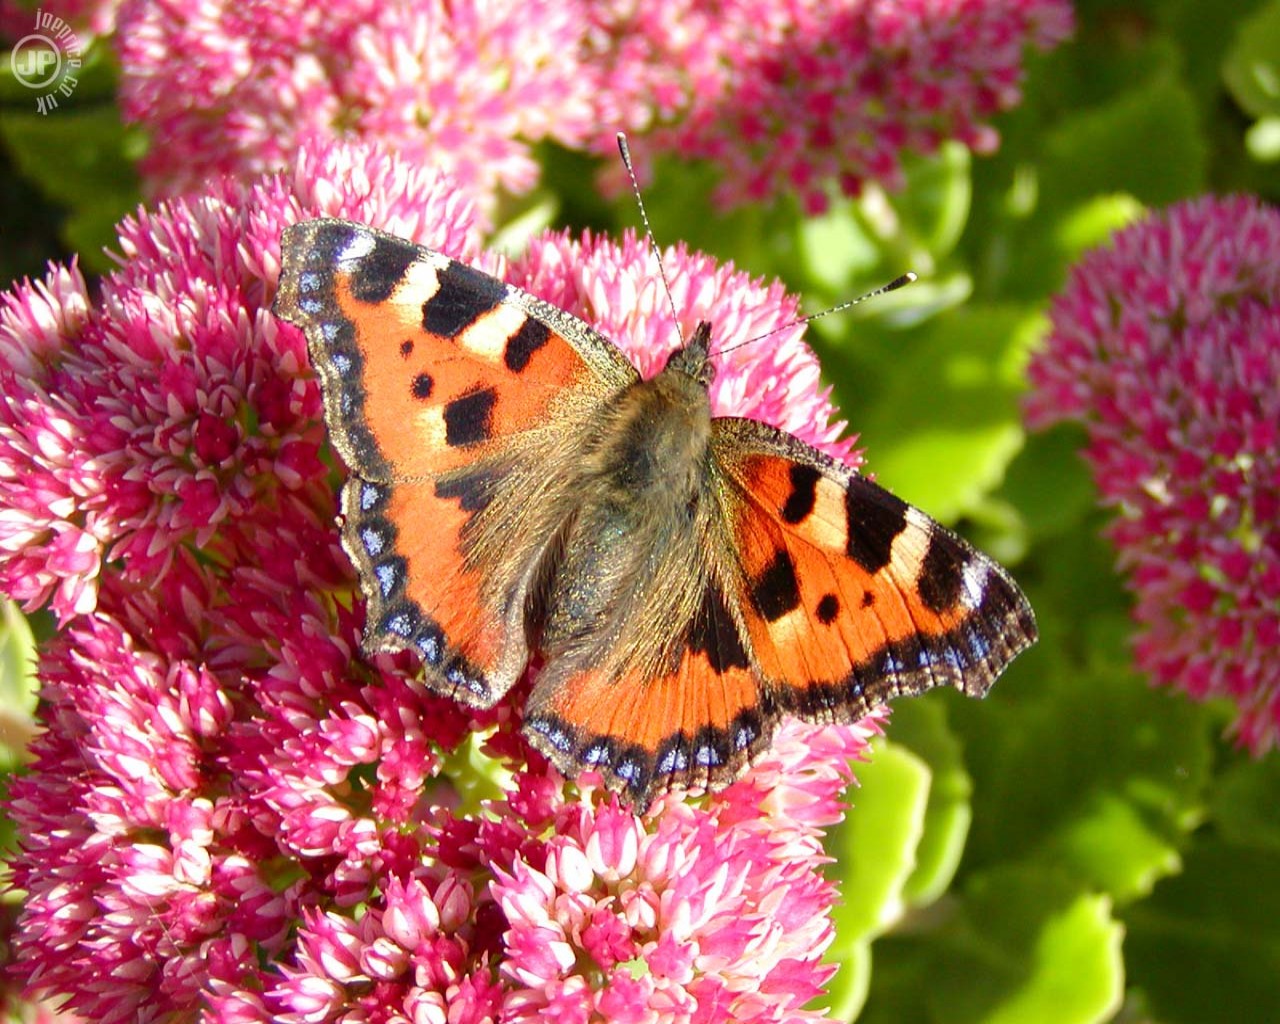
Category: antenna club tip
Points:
column 910, row 278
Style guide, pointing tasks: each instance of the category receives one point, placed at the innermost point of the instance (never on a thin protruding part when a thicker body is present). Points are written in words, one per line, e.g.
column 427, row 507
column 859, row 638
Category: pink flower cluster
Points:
column 788, row 97
column 784, row 97
column 463, row 85
column 1166, row 345
column 232, row 811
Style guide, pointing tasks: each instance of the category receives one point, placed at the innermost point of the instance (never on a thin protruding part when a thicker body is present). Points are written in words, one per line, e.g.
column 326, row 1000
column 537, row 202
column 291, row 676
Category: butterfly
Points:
column 518, row 493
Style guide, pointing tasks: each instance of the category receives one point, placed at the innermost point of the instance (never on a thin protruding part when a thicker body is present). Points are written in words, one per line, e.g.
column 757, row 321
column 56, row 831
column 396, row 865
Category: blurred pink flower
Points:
column 787, row 98
column 1166, row 345
column 464, row 87
column 86, row 18
column 784, row 98
column 231, row 811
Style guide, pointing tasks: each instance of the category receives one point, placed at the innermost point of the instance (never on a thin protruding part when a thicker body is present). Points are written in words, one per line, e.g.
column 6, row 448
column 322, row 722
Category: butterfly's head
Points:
column 692, row 359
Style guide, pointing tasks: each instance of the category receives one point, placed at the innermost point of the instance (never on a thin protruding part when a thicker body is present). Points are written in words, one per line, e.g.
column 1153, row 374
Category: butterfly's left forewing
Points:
column 448, row 393
column 850, row 596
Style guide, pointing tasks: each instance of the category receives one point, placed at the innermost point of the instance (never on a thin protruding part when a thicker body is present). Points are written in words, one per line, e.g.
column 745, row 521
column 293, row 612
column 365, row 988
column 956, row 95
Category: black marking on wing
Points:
column 469, row 419
column 942, row 573
column 714, row 634
column 828, row 609
column 777, row 591
column 521, row 346
column 875, row 518
column 464, row 295
column 473, row 488
column 804, row 493
column 375, row 276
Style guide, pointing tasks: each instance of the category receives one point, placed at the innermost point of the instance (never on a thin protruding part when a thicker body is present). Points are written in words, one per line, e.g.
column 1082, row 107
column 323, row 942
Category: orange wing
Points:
column 695, row 727
column 850, row 596
column 432, row 371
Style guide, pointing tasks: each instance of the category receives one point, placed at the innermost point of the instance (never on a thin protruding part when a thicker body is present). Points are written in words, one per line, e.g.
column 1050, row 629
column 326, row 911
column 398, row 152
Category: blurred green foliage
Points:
column 1079, row 847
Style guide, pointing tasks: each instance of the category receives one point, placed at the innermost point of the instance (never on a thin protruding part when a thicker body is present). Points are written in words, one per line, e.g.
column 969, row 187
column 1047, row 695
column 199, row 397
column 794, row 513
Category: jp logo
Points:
column 46, row 61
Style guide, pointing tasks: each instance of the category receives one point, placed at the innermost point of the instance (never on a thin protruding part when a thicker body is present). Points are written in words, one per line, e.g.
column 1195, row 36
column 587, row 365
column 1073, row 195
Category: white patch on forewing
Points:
column 974, row 576
column 827, row 525
column 420, row 283
column 487, row 337
column 906, row 557
column 360, row 245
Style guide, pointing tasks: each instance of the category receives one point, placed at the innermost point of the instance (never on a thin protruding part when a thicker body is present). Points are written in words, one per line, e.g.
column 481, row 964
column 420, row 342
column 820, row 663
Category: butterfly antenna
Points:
column 892, row 286
column 625, row 150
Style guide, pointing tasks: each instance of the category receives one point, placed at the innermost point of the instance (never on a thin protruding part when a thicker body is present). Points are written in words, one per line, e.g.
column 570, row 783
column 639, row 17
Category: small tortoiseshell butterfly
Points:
column 517, row 490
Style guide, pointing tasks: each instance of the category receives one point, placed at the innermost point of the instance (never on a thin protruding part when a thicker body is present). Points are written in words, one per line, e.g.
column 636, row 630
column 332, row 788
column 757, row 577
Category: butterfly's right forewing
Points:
column 450, row 395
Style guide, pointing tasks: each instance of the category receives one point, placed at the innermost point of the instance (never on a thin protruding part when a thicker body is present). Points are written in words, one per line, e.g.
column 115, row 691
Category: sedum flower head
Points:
column 1166, row 345
column 232, row 811
column 464, row 86
column 787, row 98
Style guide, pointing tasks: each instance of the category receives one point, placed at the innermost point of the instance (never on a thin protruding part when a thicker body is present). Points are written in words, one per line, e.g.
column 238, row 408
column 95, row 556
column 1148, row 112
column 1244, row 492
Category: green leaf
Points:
column 836, row 248
column 875, row 845
column 921, row 726
column 1049, row 482
column 18, row 686
column 847, row 990
column 1204, row 34
column 857, row 245
column 874, row 850
column 1092, row 222
column 1263, row 140
column 77, row 158
column 1072, row 751
column 934, row 207
column 17, row 659
column 942, row 428
column 1083, row 766
column 1030, row 948
column 1111, row 842
column 1205, row 948
column 1019, row 944
column 1108, row 149
column 1252, row 66
column 1244, row 804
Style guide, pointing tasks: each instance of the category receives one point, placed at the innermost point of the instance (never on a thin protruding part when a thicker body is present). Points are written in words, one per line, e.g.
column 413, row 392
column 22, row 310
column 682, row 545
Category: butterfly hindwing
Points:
column 443, row 388
column 849, row 595
column 694, row 726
